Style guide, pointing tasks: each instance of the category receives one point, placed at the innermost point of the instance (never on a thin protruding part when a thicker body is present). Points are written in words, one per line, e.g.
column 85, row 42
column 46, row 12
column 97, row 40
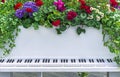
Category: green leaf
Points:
column 35, row 25
column 63, row 28
column 80, row 30
column 83, row 15
column 58, row 31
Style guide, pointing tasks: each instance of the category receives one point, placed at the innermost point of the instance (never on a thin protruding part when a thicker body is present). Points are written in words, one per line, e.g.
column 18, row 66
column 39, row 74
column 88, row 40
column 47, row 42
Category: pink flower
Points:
column 60, row 5
column 71, row 15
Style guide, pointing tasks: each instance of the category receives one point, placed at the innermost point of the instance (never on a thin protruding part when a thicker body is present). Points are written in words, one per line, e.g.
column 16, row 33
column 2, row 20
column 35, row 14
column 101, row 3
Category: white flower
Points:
column 98, row 18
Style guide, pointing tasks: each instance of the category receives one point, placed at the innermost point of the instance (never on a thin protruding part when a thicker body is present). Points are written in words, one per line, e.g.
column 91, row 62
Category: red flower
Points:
column 38, row 3
column 114, row 3
column 82, row 2
column 18, row 5
column 3, row 1
column 56, row 23
column 87, row 9
column 29, row 10
column 71, row 15
column 84, row 6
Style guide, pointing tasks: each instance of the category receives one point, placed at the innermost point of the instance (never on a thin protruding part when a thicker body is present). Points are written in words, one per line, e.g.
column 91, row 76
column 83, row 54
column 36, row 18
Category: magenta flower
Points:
column 60, row 5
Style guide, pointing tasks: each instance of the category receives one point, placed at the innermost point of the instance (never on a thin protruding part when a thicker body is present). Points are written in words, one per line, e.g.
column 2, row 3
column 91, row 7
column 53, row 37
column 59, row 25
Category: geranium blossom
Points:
column 71, row 15
column 39, row 3
column 56, row 23
column 3, row 1
column 18, row 5
column 84, row 6
column 114, row 3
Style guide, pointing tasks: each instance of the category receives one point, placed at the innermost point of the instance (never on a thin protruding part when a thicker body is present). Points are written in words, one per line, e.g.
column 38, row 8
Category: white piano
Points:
column 45, row 51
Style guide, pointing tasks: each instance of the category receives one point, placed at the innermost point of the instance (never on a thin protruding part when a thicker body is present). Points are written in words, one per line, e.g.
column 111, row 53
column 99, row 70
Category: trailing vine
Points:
column 60, row 15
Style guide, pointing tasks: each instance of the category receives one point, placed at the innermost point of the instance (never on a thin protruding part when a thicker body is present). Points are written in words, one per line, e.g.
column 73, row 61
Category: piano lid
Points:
column 45, row 43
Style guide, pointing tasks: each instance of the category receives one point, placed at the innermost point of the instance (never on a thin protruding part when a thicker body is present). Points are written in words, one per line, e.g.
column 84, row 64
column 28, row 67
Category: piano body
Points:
column 45, row 51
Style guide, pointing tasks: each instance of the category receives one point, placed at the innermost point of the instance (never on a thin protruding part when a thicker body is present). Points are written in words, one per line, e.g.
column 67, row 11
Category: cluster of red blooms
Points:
column 19, row 5
column 70, row 16
column 3, row 1
column 56, row 23
column 113, row 3
column 84, row 6
column 39, row 3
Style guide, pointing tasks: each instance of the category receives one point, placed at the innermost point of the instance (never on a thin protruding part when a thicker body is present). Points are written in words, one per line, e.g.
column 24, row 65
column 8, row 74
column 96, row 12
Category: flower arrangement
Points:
column 60, row 15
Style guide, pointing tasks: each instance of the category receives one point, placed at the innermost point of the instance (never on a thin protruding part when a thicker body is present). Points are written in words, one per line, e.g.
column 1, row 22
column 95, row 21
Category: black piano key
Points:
column 100, row 60
column 109, row 60
column 97, row 60
column 10, row 61
column 91, row 60
column 37, row 60
column 2, row 60
column 46, row 61
column 28, row 61
column 103, row 60
column 82, row 60
column 19, row 60
column 73, row 61
column 55, row 60
column 64, row 60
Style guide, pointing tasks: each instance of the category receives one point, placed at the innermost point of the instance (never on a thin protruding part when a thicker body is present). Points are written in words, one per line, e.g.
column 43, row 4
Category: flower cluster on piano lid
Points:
column 60, row 15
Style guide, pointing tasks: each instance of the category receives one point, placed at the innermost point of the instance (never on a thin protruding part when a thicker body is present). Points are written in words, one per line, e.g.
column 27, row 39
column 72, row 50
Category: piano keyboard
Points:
column 63, row 65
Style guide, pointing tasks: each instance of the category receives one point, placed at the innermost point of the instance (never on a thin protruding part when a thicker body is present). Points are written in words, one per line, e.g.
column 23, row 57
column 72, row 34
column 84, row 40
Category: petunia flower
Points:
column 60, row 5
column 56, row 23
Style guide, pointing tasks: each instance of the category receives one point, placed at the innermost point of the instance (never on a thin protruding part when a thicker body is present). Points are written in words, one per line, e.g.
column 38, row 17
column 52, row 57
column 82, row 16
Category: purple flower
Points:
column 19, row 13
column 31, row 5
column 60, row 5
